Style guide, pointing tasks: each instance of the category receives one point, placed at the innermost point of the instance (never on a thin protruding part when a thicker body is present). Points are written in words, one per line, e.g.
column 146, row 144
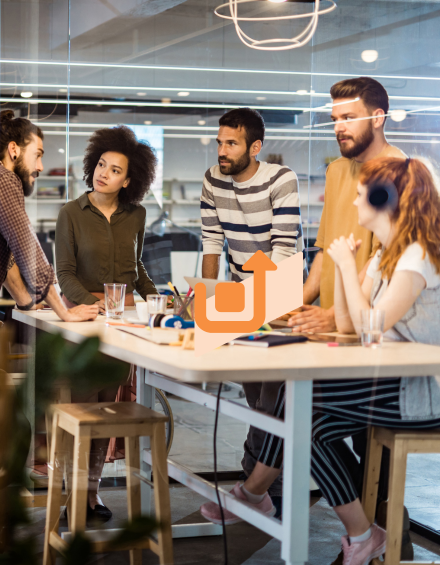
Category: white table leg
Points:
column 144, row 396
column 297, row 447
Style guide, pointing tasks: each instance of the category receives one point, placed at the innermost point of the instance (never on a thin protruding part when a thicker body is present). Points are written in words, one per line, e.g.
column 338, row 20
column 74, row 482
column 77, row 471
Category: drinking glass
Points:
column 114, row 300
column 157, row 304
column 187, row 312
column 372, row 324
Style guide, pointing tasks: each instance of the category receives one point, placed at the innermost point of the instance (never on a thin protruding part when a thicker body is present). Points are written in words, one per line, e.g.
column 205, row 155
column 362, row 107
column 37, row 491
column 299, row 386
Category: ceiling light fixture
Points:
column 183, row 93
column 148, row 122
column 205, row 140
column 398, row 115
column 201, row 122
column 26, row 94
column 369, row 55
column 61, row 150
column 277, row 44
column 62, row 90
column 141, row 93
column 166, row 101
column 261, row 97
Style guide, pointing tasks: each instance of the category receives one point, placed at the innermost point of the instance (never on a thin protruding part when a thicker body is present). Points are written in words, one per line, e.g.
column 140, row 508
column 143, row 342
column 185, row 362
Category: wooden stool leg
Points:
column 162, row 493
column 396, row 495
column 132, row 458
column 56, row 468
column 80, row 481
column 68, row 476
column 371, row 476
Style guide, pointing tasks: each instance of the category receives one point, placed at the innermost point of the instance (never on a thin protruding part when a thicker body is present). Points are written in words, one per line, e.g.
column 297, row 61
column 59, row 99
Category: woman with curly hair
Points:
column 100, row 235
column 99, row 239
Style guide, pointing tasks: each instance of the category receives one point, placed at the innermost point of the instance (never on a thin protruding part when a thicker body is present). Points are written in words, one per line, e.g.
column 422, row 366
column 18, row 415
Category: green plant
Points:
column 85, row 369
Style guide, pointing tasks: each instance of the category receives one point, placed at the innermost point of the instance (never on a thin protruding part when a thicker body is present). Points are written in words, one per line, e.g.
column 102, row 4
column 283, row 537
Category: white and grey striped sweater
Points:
column 262, row 213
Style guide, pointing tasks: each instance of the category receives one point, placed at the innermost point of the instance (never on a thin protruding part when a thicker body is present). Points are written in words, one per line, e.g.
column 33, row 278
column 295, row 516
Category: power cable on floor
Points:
column 217, row 410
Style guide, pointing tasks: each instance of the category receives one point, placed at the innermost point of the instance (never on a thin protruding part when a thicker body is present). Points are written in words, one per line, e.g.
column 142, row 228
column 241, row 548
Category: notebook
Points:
column 270, row 340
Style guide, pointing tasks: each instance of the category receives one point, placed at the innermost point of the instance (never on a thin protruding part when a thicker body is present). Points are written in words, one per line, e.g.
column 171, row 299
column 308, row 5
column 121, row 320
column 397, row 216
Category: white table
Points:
column 297, row 364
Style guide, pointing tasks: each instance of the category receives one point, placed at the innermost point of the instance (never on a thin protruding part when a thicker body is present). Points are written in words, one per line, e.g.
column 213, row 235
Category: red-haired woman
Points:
column 403, row 280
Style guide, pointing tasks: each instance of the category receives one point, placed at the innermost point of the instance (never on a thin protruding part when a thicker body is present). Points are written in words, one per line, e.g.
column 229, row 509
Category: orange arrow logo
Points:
column 234, row 296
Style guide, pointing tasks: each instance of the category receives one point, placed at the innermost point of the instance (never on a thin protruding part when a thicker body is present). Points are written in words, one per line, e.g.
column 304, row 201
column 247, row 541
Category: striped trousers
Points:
column 341, row 409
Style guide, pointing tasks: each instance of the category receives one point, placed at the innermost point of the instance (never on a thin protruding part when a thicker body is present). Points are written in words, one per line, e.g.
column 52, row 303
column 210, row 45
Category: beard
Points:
column 359, row 145
column 234, row 167
column 27, row 178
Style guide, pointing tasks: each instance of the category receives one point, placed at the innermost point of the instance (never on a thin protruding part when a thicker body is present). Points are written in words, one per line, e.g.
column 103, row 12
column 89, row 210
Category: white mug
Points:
column 142, row 311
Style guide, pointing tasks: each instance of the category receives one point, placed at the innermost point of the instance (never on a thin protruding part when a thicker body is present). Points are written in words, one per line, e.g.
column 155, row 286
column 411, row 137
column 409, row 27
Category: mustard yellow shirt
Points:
column 340, row 217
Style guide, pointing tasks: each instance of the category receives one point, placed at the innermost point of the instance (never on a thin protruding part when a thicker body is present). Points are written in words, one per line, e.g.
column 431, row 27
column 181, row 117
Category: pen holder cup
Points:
column 184, row 307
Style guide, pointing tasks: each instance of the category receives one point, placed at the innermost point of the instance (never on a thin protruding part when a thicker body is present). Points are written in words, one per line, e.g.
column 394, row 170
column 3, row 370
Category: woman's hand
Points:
column 343, row 251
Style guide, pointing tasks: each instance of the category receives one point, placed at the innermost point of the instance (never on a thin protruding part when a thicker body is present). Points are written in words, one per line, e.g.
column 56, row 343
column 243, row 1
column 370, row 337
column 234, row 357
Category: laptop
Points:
column 209, row 283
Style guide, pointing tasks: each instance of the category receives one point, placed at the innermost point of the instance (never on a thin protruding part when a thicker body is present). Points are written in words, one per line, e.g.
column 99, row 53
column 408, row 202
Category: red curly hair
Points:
column 417, row 215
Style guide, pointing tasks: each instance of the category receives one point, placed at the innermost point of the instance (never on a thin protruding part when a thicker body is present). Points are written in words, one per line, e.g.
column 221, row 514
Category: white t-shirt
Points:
column 411, row 260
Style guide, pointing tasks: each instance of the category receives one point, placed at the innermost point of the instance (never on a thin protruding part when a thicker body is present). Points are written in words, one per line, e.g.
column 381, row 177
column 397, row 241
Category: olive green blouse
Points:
column 90, row 251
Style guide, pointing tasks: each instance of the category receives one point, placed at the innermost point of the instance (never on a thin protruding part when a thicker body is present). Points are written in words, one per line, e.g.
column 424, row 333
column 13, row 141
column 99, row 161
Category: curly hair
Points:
column 417, row 213
column 142, row 160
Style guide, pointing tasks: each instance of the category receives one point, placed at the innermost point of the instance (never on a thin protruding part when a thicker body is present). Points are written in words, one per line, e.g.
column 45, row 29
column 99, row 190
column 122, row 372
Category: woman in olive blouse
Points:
column 100, row 235
column 99, row 239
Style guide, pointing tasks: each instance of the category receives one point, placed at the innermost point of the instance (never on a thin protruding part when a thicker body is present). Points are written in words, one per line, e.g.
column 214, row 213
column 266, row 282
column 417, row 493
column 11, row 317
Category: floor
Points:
column 192, row 446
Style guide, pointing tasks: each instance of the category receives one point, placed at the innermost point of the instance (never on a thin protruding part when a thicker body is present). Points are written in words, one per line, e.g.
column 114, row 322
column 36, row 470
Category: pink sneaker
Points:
column 211, row 510
column 363, row 552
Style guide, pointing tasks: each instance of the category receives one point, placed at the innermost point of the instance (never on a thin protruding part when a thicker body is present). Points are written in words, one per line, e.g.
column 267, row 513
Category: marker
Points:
column 173, row 288
column 254, row 337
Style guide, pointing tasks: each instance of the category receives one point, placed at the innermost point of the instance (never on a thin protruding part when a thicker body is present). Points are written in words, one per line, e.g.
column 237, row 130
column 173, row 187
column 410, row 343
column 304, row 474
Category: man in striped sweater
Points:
column 254, row 206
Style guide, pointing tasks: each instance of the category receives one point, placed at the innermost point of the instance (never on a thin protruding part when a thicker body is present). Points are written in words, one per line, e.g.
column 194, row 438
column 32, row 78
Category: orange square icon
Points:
column 229, row 297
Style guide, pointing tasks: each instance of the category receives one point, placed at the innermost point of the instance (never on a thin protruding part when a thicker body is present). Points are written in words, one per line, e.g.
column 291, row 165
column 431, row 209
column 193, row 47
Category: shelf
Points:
column 310, row 226
column 46, row 200
column 54, row 177
column 183, row 202
column 200, row 180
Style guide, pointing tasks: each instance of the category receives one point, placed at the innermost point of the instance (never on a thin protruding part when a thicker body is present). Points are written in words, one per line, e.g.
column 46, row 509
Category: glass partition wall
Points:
column 170, row 69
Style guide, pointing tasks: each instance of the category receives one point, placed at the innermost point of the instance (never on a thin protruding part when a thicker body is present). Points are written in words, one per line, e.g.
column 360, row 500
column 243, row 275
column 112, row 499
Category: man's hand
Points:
column 81, row 313
column 101, row 305
column 313, row 319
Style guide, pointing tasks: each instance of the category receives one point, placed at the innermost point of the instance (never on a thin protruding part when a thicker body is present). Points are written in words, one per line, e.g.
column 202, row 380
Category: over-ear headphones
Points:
column 383, row 195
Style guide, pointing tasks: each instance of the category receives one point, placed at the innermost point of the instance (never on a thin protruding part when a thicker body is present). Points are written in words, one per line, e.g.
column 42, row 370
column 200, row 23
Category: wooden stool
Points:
column 74, row 426
column 400, row 443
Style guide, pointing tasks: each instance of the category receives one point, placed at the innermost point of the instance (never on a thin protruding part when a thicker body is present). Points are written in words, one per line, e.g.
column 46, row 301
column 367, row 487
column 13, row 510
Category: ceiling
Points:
column 158, row 48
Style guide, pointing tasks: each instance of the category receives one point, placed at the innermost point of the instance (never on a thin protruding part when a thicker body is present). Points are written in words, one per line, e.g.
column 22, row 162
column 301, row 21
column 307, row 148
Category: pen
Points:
column 254, row 337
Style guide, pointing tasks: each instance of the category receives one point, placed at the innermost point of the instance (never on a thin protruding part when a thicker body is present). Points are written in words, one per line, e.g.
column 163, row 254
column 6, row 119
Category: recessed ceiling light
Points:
column 369, row 55
column 261, row 98
column 148, row 122
column 62, row 90
column 397, row 115
column 61, row 150
column 302, row 92
column 277, row 1
column 205, row 140
column 26, row 94
column 166, row 100
column 201, row 122
column 183, row 93
column 141, row 93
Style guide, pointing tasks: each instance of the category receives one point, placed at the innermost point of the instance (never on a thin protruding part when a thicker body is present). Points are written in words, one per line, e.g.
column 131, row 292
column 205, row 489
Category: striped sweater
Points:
column 262, row 213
